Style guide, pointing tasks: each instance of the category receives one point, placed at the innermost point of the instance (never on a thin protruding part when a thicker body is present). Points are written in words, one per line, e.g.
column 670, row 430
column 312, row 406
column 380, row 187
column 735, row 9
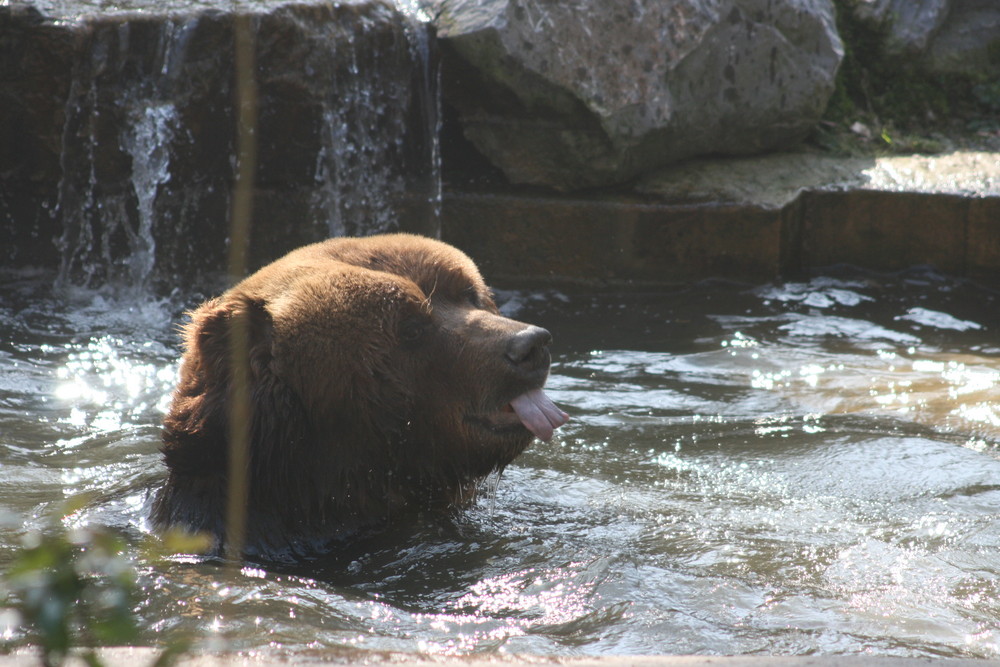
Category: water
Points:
column 793, row 468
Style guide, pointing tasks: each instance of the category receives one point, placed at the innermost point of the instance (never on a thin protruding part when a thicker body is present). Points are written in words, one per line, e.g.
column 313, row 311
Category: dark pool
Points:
column 793, row 468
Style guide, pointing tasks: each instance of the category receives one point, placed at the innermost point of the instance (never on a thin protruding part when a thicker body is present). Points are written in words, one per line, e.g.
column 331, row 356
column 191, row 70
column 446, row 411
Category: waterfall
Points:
column 428, row 94
column 349, row 114
column 148, row 142
column 112, row 171
column 368, row 131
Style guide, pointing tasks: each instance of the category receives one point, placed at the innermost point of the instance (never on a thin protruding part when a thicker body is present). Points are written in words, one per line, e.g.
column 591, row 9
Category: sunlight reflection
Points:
column 952, row 392
column 107, row 387
column 497, row 609
column 552, row 596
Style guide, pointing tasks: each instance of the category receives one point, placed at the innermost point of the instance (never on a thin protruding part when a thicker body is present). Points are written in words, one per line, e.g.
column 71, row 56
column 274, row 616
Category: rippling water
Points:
column 792, row 468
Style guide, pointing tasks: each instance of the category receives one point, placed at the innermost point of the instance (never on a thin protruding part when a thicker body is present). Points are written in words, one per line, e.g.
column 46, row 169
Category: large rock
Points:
column 969, row 40
column 119, row 127
column 908, row 25
column 941, row 36
column 576, row 94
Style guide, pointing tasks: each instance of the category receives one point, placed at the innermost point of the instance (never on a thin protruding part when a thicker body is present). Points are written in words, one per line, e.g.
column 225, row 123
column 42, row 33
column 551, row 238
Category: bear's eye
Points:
column 412, row 329
column 471, row 295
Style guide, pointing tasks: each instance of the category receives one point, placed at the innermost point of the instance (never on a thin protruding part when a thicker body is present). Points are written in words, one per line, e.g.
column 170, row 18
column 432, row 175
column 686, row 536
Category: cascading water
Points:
column 148, row 142
column 347, row 134
column 428, row 101
column 117, row 146
column 354, row 186
column 368, row 131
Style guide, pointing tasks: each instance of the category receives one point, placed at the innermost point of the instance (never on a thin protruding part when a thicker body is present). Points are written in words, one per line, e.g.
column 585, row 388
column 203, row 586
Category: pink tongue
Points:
column 538, row 413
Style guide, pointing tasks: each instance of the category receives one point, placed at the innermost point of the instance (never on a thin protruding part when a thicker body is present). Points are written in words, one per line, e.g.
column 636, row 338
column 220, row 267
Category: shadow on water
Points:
column 793, row 468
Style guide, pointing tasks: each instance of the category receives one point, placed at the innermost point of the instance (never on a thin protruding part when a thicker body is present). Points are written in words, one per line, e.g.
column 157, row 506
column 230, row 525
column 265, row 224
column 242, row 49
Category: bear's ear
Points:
column 196, row 429
column 196, row 426
column 209, row 339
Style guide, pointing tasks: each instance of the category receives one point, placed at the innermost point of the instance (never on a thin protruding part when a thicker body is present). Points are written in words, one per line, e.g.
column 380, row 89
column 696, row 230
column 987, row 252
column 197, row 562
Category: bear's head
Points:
column 380, row 379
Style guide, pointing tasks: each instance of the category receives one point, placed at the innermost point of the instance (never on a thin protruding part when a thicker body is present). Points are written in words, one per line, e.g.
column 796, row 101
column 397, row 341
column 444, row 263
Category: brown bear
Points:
column 382, row 381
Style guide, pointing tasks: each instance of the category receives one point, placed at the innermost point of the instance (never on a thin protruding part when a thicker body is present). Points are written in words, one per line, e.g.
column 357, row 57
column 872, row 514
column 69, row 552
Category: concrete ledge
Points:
column 746, row 219
column 600, row 241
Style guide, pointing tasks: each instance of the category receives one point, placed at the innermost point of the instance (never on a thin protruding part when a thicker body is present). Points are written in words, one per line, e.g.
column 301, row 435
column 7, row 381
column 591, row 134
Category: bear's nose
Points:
column 526, row 348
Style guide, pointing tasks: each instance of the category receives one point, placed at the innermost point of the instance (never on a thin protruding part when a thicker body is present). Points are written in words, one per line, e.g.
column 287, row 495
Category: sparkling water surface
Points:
column 793, row 468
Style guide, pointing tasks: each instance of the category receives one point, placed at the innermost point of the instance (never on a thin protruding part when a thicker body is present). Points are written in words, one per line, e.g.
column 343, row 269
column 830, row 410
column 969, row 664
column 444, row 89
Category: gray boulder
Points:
column 942, row 36
column 969, row 40
column 909, row 24
column 586, row 93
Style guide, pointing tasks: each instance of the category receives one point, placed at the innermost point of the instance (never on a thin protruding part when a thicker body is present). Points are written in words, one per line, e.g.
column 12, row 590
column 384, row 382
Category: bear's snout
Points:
column 528, row 350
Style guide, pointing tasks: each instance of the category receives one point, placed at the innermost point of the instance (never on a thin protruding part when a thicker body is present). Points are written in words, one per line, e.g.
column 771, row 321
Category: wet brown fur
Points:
column 377, row 374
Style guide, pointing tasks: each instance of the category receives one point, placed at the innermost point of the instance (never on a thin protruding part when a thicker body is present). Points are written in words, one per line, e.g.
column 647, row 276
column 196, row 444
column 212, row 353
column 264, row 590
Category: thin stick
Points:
column 239, row 235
